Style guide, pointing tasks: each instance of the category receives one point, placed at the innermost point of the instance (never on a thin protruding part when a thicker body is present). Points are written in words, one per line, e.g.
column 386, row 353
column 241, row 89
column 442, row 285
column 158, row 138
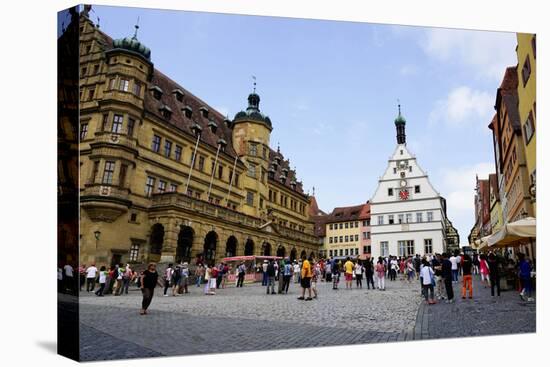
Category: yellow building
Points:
column 527, row 86
column 343, row 232
column 165, row 177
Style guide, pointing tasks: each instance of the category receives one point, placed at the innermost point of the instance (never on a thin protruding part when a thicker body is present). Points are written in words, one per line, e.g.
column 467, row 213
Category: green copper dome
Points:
column 400, row 120
column 253, row 112
column 134, row 45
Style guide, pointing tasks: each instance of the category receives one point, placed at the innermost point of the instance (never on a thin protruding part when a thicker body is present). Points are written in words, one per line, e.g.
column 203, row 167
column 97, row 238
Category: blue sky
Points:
column 331, row 90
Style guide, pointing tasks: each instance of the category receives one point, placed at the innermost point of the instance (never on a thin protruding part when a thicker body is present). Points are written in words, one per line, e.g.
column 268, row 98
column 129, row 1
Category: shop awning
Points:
column 482, row 244
column 514, row 234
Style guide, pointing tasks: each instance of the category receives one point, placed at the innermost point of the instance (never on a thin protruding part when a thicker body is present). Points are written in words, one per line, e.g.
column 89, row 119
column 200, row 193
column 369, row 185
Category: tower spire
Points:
column 254, row 83
column 400, row 125
column 136, row 26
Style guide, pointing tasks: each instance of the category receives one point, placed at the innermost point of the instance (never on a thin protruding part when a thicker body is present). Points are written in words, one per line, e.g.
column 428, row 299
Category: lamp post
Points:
column 96, row 234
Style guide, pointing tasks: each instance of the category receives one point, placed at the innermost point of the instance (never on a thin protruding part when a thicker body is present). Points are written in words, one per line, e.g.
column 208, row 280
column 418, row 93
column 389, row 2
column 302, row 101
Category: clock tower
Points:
column 407, row 213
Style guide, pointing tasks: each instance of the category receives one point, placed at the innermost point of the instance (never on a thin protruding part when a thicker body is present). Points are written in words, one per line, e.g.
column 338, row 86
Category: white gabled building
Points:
column 407, row 213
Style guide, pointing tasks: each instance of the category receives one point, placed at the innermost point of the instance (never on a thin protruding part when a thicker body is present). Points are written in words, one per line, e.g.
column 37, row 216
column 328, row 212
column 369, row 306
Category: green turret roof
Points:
column 134, row 45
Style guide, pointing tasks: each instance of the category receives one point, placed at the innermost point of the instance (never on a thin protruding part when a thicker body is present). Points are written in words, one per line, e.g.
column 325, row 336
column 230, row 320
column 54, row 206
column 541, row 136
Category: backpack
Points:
column 214, row 272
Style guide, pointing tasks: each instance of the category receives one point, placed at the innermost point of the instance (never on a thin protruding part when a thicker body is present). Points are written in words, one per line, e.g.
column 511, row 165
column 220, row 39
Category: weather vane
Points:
column 399, row 106
column 254, row 78
column 137, row 27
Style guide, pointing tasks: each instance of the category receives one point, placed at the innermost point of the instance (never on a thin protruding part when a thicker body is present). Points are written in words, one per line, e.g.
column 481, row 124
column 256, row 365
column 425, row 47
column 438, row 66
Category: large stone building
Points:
column 408, row 216
column 165, row 177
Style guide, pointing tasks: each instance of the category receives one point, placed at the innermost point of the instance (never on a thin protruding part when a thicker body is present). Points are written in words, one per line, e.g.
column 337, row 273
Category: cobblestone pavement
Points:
column 244, row 319
column 481, row 316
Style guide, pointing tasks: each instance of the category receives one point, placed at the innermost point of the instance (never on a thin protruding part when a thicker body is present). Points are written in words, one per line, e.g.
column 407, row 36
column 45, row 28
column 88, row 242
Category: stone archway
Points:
column 293, row 254
column 231, row 246
column 312, row 255
column 266, row 249
column 185, row 243
column 249, row 247
column 303, row 254
column 210, row 244
column 156, row 240
column 281, row 251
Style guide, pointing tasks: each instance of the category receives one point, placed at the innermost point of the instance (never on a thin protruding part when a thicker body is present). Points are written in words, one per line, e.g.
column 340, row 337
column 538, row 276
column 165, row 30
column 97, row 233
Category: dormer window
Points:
column 285, row 171
column 196, row 128
column 282, row 178
column 204, row 112
column 293, row 185
column 213, row 126
column 222, row 143
column 157, row 92
column 166, row 111
column 227, row 122
column 271, row 173
column 187, row 111
column 178, row 94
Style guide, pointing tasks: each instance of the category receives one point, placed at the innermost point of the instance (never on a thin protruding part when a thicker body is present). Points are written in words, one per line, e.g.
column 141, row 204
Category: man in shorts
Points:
column 348, row 271
column 305, row 278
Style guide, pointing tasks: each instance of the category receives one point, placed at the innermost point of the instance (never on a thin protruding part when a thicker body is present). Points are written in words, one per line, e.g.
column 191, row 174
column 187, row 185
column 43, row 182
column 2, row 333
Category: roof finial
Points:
column 399, row 106
column 254, row 78
column 278, row 148
column 313, row 190
column 136, row 27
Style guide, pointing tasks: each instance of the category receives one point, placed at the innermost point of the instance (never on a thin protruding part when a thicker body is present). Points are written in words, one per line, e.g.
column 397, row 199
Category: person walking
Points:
column 315, row 276
column 148, row 284
column 264, row 273
column 207, row 275
column 68, row 279
column 466, row 266
column 454, row 268
column 296, row 272
column 328, row 271
column 475, row 263
column 393, row 269
column 381, row 274
column 102, row 279
column 280, row 276
column 287, row 274
column 305, row 280
column 270, row 271
column 199, row 275
column 438, row 275
column 241, row 271
column 184, row 281
column 358, row 275
column 118, row 274
column 213, row 278
column 494, row 274
column 176, row 281
column 167, row 278
column 484, row 270
column 447, row 274
column 335, row 274
column 91, row 273
column 369, row 273
column 348, row 272
column 410, row 270
column 524, row 273
column 126, row 277
column 427, row 276
column 81, row 276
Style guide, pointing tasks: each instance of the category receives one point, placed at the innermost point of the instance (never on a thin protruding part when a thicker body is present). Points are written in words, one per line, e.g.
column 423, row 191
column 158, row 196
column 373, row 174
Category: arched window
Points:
column 210, row 243
column 249, row 248
column 231, row 247
column 185, row 243
column 156, row 239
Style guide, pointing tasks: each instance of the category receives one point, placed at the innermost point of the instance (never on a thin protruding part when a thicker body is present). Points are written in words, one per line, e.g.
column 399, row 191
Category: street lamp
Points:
column 96, row 234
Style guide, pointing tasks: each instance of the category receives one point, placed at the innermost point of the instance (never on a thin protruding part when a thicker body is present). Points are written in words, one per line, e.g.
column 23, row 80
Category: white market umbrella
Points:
column 513, row 234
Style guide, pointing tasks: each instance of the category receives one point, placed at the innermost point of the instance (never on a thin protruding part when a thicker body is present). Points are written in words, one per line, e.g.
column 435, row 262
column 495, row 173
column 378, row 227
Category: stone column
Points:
column 168, row 254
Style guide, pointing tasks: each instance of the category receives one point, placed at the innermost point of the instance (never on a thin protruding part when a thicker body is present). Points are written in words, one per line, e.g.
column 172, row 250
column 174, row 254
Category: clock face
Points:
column 403, row 183
column 404, row 194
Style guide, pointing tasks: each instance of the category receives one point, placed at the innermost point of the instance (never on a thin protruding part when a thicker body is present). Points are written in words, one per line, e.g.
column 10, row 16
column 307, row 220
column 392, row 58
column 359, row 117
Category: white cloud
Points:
column 486, row 53
column 408, row 70
column 458, row 188
column 463, row 105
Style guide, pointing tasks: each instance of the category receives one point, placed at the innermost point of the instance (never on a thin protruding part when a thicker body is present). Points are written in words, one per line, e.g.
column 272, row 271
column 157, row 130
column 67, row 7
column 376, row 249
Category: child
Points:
column 102, row 280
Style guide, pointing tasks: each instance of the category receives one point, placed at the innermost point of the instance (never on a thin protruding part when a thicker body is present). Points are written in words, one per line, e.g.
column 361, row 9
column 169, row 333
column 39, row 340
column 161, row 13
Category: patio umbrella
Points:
column 514, row 234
